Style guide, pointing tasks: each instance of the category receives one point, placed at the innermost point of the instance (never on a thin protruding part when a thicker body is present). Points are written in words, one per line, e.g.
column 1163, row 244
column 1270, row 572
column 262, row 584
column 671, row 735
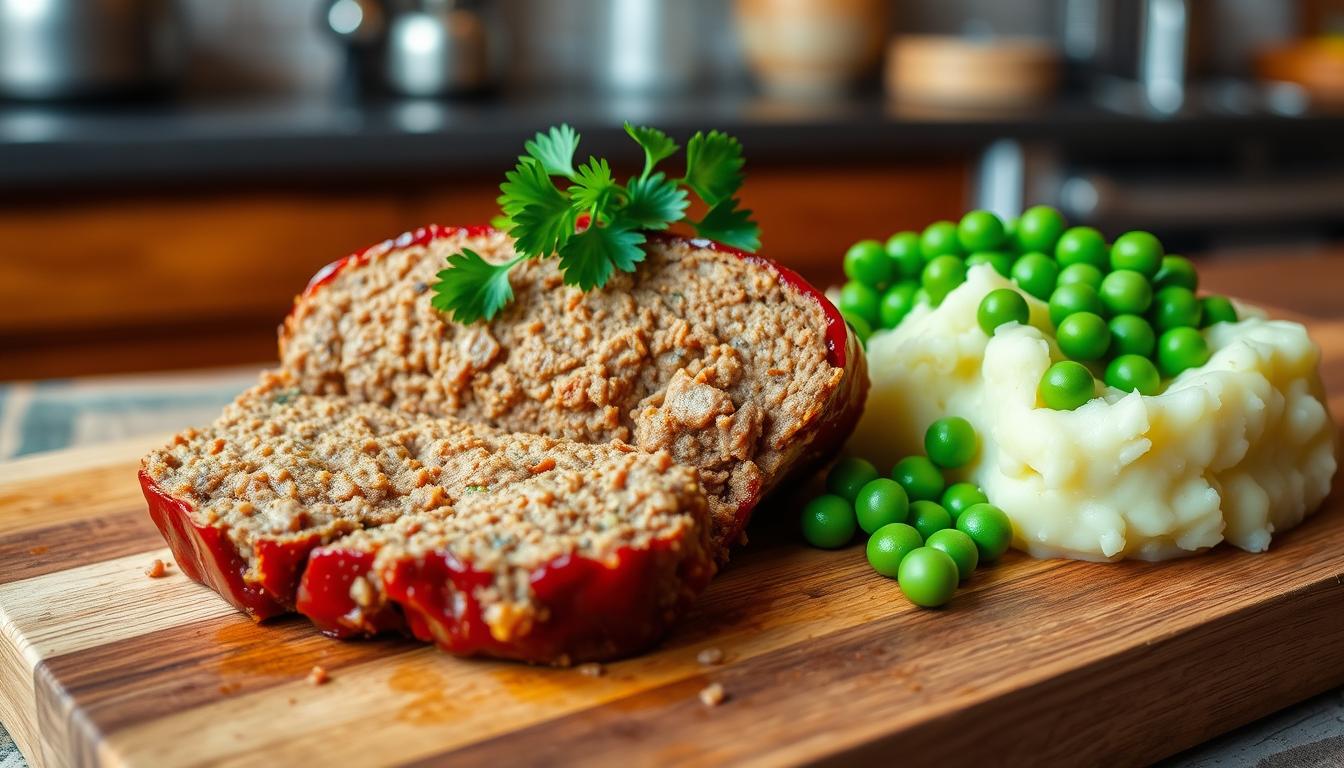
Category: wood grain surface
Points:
column 1040, row 662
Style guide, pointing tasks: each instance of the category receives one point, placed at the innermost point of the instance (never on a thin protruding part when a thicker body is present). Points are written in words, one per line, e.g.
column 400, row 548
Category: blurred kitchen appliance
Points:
column 1158, row 55
column 422, row 48
column 811, row 47
column 650, row 45
column 1140, row 49
column 58, row 49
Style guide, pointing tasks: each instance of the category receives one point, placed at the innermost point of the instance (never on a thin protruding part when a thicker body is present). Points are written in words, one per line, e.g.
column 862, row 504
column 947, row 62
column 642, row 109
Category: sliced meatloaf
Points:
column 486, row 515
column 734, row 365
column 574, row 565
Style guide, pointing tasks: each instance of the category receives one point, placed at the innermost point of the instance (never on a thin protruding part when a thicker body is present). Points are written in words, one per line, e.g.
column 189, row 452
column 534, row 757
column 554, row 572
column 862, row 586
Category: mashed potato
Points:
column 1237, row 450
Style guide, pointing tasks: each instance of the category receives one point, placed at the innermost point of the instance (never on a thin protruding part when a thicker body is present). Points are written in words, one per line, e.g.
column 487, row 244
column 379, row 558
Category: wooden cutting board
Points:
column 1034, row 662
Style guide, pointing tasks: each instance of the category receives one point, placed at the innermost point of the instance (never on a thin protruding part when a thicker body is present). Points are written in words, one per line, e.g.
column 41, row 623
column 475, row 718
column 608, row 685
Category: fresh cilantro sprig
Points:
column 544, row 219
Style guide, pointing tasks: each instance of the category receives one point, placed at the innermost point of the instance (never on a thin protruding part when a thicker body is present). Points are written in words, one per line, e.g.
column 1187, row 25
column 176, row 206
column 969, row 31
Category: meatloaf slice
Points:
column 733, row 364
column 244, row 502
column 572, row 565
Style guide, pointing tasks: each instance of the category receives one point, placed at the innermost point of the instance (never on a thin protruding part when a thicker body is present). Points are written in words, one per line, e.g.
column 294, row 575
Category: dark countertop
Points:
column 191, row 142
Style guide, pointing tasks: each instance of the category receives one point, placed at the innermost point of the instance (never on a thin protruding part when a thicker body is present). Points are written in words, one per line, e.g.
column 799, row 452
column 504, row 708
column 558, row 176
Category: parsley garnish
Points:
column 542, row 217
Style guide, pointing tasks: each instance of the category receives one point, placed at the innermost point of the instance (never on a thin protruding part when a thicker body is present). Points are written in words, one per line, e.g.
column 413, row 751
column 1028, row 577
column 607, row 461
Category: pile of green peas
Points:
column 1127, row 308
column 924, row 533
column 886, row 281
column 1125, row 312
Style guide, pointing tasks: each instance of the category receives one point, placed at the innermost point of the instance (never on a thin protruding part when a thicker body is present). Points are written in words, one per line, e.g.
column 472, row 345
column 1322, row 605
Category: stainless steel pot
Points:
column 53, row 49
column 418, row 47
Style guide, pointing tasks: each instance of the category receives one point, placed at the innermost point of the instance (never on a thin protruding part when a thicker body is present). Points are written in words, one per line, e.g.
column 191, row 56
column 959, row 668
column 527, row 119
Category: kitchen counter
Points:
column 195, row 142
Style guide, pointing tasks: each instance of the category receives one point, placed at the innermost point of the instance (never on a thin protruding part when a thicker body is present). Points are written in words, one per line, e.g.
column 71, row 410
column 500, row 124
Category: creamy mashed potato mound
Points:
column 1236, row 450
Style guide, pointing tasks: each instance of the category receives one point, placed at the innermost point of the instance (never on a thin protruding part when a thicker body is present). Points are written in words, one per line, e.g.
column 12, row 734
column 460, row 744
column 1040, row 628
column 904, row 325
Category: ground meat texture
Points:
column 701, row 353
column 576, row 564
column 244, row 502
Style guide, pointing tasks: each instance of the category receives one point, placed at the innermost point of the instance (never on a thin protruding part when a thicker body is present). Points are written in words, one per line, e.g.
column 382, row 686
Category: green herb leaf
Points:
column 555, row 150
column 528, row 184
column 588, row 258
column 540, row 231
column 472, row 288
column 653, row 203
column 730, row 225
column 714, row 166
column 657, row 146
column 542, row 216
column 593, row 185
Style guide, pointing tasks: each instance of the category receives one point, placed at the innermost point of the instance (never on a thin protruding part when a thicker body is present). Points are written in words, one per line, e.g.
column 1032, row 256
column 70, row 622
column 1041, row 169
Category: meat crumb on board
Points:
column 318, row 676
column 710, row 657
column 713, row 695
column 592, row 669
column 157, row 569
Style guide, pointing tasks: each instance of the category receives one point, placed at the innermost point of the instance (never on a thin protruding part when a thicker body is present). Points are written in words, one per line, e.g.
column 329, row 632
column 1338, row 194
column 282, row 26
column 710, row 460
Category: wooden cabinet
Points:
column 157, row 280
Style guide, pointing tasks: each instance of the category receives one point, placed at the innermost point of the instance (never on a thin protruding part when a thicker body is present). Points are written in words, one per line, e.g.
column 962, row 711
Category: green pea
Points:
column 881, row 502
column 1083, row 336
column 889, row 545
column 1069, row 299
column 1086, row 274
column 942, row 275
column 990, row 529
column 929, row 517
column 1137, row 251
column 828, row 522
column 950, row 442
column 1132, row 335
column 848, row 477
column 928, row 577
column 1081, row 245
column 1039, row 228
column 920, row 478
column 1010, row 234
column 1133, row 373
column 939, row 239
column 959, row 547
column 867, row 262
column 1217, row 309
column 1066, row 385
column 1000, row 306
column 903, row 250
column 1000, row 261
column 897, row 303
column 1037, row 274
column 1178, row 271
column 862, row 330
column 1125, row 292
column 860, row 300
column 980, row 231
column 1181, row 349
column 960, row 496
column 1175, row 307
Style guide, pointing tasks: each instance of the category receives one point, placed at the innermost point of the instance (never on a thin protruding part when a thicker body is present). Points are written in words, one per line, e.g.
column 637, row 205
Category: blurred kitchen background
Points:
column 171, row 172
